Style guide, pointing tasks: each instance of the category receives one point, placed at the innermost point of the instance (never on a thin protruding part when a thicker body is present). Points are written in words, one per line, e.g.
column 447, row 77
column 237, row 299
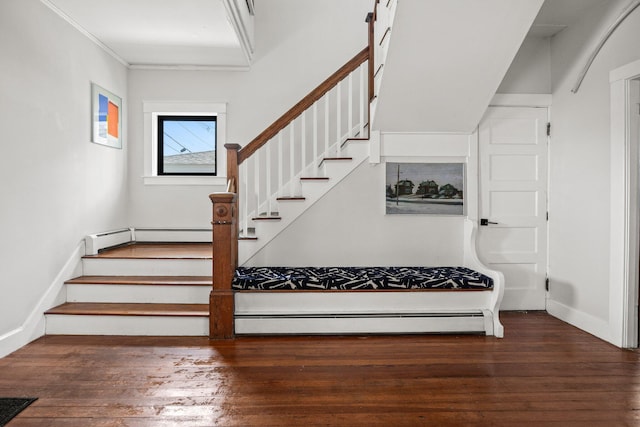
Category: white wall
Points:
column 530, row 71
column 57, row 186
column 299, row 43
column 348, row 227
column 580, row 166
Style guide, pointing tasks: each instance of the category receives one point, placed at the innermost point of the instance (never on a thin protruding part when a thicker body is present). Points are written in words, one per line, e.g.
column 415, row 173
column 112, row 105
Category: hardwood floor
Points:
column 543, row 373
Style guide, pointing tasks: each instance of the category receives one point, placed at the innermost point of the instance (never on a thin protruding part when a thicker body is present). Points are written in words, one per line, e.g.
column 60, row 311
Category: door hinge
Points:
column 547, row 216
column 546, row 283
column 548, row 128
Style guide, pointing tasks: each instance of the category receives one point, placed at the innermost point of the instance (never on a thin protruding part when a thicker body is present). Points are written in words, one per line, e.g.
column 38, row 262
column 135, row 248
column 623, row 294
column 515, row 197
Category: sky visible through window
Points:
column 188, row 136
column 187, row 144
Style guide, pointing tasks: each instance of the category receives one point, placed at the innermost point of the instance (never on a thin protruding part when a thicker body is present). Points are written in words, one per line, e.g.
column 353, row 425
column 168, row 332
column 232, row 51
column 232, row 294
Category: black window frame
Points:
column 161, row 118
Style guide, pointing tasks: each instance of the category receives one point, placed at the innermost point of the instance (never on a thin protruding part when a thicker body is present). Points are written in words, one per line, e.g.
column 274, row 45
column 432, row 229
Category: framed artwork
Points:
column 425, row 188
column 106, row 117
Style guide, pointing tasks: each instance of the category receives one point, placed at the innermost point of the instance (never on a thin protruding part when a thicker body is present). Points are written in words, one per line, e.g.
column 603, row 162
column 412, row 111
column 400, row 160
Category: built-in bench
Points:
column 358, row 278
column 342, row 300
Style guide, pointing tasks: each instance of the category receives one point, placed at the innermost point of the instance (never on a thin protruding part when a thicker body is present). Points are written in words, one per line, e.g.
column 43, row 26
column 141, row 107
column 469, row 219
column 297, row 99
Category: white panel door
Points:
column 513, row 199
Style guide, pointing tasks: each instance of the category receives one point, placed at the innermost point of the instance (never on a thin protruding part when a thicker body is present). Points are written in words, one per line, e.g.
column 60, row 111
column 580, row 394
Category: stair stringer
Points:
column 312, row 191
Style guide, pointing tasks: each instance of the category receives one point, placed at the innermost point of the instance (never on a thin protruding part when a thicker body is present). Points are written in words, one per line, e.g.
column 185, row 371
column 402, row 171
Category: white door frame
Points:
column 624, row 254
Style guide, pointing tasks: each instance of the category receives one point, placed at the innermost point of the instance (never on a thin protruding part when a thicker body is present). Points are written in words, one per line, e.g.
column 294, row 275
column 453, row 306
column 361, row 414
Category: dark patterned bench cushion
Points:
column 358, row 278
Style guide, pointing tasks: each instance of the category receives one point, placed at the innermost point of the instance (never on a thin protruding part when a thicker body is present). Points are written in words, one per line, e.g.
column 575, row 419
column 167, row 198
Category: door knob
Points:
column 485, row 221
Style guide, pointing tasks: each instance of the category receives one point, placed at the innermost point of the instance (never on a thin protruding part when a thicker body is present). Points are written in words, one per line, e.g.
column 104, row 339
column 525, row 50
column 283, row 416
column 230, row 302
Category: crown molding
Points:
column 86, row 33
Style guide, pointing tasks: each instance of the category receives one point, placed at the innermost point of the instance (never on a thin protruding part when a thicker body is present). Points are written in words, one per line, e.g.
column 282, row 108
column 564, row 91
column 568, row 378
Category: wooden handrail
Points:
column 303, row 105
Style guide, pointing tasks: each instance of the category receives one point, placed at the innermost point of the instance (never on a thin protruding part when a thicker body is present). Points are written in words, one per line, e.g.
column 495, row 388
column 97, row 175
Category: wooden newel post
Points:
column 225, row 251
column 225, row 261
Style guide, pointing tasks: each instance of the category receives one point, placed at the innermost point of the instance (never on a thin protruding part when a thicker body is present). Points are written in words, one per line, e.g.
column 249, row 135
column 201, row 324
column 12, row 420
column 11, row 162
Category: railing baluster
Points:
column 350, row 107
column 363, row 100
column 245, row 197
column 291, row 158
column 280, row 164
column 256, row 182
column 339, row 118
column 326, row 125
column 268, row 170
column 315, row 139
column 244, row 216
column 303, row 140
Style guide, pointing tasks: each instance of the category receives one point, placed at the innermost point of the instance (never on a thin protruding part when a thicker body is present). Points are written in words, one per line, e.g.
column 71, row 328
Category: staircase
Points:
column 164, row 289
column 285, row 209
column 138, row 289
column 308, row 150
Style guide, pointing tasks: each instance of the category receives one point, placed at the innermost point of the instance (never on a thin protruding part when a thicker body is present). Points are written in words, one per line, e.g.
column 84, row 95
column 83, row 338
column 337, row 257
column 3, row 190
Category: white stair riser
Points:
column 170, row 294
column 146, row 267
column 57, row 324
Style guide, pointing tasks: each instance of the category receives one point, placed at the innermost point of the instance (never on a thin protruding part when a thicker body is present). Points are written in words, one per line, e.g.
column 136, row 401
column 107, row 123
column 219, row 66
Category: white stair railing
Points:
column 274, row 170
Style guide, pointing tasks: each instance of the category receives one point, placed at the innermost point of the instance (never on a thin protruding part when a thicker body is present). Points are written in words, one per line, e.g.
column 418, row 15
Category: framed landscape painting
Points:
column 106, row 117
column 425, row 188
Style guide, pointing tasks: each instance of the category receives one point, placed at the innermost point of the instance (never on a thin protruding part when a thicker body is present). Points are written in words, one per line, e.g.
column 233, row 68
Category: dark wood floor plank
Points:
column 543, row 373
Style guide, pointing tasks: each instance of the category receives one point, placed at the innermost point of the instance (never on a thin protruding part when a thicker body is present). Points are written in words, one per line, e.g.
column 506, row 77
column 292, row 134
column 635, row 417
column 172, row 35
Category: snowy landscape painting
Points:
column 425, row 188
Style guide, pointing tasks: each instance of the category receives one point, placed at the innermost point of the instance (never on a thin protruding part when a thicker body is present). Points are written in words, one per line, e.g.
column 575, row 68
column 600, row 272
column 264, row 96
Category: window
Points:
column 187, row 145
column 181, row 114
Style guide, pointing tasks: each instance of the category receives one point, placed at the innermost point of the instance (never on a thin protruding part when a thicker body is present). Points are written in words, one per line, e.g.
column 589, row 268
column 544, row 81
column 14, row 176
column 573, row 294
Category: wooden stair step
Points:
column 143, row 280
column 287, row 199
column 266, row 218
column 314, row 178
column 131, row 309
column 355, row 138
column 335, row 159
column 143, row 250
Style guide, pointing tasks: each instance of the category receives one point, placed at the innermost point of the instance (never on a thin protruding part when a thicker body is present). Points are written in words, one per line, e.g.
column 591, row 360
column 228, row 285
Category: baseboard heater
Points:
column 95, row 242
column 359, row 323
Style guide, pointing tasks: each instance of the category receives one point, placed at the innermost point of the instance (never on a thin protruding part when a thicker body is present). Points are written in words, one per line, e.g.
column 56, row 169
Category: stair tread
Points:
column 143, row 280
column 315, row 178
column 291, row 198
column 143, row 250
column 131, row 309
column 266, row 218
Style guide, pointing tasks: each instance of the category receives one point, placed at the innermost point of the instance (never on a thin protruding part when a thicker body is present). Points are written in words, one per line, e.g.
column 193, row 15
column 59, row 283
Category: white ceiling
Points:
column 156, row 33
column 198, row 33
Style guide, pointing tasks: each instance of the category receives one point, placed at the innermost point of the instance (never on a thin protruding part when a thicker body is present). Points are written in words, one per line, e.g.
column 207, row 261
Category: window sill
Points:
column 185, row 180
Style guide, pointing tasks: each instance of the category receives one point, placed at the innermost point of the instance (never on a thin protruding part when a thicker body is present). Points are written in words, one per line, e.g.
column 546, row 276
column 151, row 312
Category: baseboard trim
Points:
column 588, row 323
column 34, row 325
column 199, row 235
